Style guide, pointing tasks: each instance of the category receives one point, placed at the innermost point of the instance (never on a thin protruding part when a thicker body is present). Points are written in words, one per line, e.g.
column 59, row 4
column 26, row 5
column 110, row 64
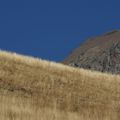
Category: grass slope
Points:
column 34, row 89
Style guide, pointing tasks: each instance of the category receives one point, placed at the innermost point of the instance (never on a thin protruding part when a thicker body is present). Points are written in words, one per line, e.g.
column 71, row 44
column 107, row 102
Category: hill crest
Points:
column 31, row 88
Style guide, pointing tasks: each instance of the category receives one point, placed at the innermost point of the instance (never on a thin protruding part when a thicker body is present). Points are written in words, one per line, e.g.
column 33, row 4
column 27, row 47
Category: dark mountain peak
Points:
column 101, row 53
column 111, row 32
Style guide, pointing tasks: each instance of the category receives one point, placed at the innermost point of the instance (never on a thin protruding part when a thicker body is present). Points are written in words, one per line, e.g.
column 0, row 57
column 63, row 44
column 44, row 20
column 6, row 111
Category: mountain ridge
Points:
column 100, row 53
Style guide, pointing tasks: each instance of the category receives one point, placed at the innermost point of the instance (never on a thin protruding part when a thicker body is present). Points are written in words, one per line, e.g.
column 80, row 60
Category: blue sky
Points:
column 51, row 29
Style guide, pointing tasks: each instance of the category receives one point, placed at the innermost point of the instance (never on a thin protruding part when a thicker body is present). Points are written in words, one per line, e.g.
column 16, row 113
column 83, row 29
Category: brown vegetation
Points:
column 33, row 89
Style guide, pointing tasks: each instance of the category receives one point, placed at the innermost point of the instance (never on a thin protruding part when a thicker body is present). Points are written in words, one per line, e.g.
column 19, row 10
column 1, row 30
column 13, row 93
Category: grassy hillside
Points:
column 33, row 89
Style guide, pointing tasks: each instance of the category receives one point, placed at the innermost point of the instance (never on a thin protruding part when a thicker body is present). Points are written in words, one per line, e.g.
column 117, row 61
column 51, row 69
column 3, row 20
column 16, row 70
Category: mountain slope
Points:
column 37, row 89
column 101, row 53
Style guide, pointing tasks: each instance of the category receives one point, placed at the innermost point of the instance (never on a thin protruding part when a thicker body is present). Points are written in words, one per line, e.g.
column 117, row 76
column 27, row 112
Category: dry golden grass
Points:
column 33, row 89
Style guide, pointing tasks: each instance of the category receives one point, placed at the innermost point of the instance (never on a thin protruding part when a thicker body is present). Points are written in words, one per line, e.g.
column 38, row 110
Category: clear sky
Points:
column 50, row 29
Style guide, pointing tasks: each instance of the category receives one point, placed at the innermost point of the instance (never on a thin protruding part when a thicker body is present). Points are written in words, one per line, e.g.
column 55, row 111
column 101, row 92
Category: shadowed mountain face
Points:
column 101, row 53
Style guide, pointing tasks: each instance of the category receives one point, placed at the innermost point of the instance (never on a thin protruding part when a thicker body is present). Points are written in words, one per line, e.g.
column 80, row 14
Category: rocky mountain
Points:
column 101, row 53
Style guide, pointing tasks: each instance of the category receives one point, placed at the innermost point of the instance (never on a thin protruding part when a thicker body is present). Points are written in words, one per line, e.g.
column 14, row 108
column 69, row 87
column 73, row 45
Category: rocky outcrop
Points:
column 101, row 54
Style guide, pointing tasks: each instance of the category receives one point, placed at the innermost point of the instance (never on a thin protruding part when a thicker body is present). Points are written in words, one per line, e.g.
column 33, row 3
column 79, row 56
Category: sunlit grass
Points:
column 34, row 89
